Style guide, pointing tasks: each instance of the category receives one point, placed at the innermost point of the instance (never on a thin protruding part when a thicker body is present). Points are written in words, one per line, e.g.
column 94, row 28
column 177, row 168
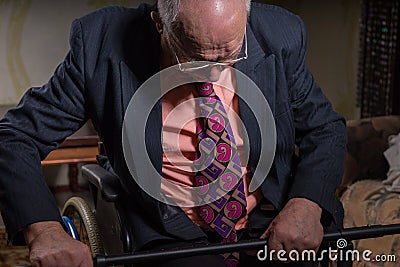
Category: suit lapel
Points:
column 260, row 68
column 140, row 65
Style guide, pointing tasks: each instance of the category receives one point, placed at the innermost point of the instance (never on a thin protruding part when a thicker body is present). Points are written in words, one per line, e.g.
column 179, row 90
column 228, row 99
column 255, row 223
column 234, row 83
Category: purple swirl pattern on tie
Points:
column 224, row 152
column 231, row 238
column 228, row 200
column 211, row 100
column 226, row 137
column 239, row 194
column 231, row 263
column 231, row 259
column 228, row 181
column 219, row 203
column 208, row 142
column 234, row 164
column 202, row 185
column 233, row 210
column 213, row 171
column 216, row 122
column 214, row 193
column 205, row 89
column 206, row 213
column 222, row 225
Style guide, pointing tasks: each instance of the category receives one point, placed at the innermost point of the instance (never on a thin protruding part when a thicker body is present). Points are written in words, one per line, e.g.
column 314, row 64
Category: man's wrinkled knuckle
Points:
column 311, row 243
column 314, row 244
column 293, row 239
column 280, row 231
column 36, row 260
column 308, row 241
column 273, row 245
column 296, row 238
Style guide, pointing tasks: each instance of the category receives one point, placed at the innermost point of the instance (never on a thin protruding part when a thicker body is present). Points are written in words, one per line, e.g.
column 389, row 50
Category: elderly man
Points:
column 114, row 51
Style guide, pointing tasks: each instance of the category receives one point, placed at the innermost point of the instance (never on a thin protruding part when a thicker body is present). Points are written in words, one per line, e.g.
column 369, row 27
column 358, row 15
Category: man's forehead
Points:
column 212, row 12
column 216, row 7
column 193, row 44
column 203, row 21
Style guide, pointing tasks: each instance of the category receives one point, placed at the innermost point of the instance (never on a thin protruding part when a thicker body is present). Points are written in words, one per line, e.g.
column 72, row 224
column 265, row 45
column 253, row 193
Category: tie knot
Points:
column 204, row 89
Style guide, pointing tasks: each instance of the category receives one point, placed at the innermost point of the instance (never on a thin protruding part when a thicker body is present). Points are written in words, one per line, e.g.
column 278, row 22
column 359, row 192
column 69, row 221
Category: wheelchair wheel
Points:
column 82, row 217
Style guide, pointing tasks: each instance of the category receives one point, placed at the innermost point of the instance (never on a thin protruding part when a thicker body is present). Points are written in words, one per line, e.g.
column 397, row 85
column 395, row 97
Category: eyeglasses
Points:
column 200, row 65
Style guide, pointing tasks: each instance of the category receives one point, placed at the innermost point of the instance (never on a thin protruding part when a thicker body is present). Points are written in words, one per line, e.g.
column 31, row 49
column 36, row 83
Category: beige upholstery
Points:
column 368, row 203
column 364, row 198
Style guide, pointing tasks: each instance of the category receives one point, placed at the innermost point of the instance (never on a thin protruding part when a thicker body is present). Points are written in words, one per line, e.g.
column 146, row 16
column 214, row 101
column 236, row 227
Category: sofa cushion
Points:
column 368, row 202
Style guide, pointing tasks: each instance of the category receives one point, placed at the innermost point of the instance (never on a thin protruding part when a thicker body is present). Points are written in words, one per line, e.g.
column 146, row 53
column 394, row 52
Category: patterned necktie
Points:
column 219, row 160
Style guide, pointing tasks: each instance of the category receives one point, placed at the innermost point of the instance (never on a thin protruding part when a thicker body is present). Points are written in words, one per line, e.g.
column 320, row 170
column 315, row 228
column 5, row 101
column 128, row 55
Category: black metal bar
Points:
column 178, row 253
column 364, row 232
column 348, row 234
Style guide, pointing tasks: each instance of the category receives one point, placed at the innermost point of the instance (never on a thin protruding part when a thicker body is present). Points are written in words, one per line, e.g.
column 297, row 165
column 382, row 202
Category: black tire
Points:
column 83, row 219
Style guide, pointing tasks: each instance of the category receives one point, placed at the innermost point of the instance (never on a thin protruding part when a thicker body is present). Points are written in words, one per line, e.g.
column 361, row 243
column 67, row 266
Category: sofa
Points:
column 365, row 199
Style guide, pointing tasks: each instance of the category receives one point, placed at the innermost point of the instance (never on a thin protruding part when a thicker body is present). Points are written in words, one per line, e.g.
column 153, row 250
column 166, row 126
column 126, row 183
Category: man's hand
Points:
column 297, row 227
column 50, row 245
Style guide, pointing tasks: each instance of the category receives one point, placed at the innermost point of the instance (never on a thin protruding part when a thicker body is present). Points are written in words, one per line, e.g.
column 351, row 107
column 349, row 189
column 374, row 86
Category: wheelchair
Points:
column 102, row 226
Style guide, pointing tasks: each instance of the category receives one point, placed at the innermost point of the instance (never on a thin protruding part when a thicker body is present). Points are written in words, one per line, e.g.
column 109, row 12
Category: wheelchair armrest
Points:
column 108, row 184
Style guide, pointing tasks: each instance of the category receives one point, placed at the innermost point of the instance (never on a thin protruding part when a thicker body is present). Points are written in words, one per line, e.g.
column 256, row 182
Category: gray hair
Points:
column 169, row 10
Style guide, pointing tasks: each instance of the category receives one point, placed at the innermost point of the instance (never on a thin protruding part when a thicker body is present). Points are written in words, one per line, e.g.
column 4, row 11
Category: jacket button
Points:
column 165, row 216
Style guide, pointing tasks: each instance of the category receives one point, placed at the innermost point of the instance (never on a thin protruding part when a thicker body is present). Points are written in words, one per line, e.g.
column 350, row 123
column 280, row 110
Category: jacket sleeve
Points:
column 321, row 138
column 44, row 117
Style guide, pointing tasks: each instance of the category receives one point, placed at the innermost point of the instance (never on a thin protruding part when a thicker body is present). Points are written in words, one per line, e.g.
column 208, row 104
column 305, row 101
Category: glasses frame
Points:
column 210, row 65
